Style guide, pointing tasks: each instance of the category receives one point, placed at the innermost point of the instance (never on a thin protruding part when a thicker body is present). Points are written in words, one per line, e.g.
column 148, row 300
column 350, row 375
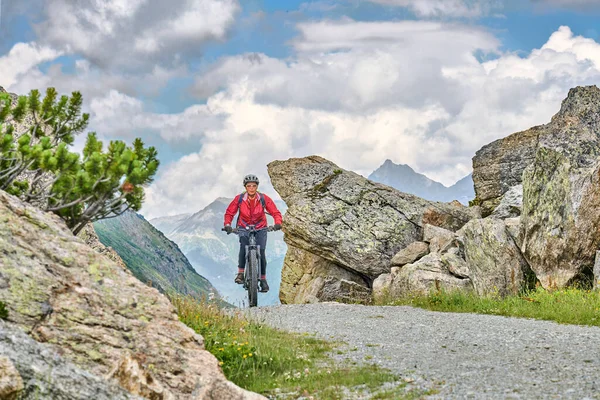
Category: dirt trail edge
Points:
column 462, row 355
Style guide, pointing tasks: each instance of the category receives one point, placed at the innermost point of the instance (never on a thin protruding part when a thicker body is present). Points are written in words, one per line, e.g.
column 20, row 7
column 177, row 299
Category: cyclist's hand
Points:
column 277, row 227
column 228, row 229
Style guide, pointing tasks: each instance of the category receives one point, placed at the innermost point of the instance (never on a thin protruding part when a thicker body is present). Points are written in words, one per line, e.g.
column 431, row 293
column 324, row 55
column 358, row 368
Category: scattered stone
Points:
column 410, row 254
column 420, row 278
column 439, row 239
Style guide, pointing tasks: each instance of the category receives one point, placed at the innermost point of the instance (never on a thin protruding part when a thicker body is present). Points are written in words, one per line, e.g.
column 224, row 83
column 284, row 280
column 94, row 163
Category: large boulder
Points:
column 499, row 166
column 353, row 222
column 308, row 278
column 495, row 263
column 96, row 314
column 560, row 222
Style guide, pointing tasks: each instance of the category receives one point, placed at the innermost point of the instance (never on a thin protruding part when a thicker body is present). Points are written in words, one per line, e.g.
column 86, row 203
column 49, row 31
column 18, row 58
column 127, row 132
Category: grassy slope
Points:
column 284, row 364
column 150, row 255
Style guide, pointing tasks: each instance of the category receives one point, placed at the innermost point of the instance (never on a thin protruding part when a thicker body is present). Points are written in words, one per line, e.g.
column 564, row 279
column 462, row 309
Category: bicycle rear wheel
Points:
column 253, row 278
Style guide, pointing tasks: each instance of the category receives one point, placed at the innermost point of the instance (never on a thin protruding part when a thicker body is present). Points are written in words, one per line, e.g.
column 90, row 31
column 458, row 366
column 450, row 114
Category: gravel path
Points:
column 463, row 355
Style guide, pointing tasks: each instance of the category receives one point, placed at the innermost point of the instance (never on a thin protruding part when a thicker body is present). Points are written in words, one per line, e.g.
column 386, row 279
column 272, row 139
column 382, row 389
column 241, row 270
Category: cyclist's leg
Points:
column 261, row 240
column 244, row 241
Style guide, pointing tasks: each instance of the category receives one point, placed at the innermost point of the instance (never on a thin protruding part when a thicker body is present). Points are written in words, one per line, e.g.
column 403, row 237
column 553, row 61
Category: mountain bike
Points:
column 252, row 262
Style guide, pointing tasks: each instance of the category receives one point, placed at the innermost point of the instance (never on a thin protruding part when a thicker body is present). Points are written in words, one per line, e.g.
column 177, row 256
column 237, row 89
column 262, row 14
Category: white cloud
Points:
column 448, row 8
column 422, row 99
column 134, row 34
column 21, row 59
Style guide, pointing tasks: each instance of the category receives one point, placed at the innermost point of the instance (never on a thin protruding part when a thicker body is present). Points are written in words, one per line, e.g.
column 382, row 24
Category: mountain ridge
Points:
column 405, row 179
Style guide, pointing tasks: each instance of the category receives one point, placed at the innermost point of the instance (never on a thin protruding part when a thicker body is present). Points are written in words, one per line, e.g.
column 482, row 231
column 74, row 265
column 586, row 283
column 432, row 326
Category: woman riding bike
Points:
column 252, row 207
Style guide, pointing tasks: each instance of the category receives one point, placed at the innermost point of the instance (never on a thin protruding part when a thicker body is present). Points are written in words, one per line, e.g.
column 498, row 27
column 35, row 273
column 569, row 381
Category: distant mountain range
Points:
column 214, row 254
column 150, row 256
column 405, row 179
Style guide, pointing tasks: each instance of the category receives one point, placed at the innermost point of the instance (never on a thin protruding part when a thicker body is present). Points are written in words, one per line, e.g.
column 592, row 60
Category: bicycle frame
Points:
column 251, row 277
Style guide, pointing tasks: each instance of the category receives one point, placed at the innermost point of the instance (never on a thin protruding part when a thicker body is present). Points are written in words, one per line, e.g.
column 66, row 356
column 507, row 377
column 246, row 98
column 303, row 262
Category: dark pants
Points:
column 261, row 240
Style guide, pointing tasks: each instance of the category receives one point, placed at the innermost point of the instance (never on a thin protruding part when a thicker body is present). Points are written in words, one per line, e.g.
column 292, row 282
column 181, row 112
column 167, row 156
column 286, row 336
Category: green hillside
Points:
column 151, row 257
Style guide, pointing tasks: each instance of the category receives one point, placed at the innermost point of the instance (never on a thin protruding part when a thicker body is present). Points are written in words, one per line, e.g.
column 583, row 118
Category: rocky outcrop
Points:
column 96, row 314
column 308, row 278
column 481, row 257
column 349, row 220
column 560, row 225
column 89, row 236
column 32, row 370
column 499, row 166
column 353, row 223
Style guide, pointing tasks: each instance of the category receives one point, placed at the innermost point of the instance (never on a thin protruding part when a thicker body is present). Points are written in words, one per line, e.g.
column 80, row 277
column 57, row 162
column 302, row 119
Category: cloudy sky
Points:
column 223, row 87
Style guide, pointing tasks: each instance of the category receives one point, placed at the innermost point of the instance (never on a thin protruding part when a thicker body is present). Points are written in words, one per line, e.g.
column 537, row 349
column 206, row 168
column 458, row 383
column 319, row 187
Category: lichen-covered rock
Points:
column 11, row 383
column 495, row 264
column 30, row 370
column 307, row 278
column 561, row 218
column 63, row 293
column 499, row 166
column 511, row 203
column 410, row 254
column 353, row 222
column 419, row 278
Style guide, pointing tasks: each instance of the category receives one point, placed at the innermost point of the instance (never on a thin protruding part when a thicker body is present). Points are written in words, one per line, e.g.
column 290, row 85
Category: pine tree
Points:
column 38, row 166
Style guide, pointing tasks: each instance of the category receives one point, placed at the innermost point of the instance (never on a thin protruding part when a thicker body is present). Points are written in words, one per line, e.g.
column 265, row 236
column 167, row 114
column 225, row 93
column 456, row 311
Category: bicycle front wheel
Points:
column 253, row 278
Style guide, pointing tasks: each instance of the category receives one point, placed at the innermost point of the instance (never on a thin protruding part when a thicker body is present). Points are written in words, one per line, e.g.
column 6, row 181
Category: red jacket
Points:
column 255, row 216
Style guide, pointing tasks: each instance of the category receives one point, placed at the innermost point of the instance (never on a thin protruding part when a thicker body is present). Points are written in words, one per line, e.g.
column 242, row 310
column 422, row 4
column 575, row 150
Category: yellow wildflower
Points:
column 245, row 356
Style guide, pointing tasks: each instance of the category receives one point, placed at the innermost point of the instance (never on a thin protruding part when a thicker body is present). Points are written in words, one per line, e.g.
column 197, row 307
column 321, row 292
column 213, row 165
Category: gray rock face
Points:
column 97, row 314
column 308, row 278
column 32, row 370
column 351, row 221
column 495, row 263
column 499, row 165
column 560, row 220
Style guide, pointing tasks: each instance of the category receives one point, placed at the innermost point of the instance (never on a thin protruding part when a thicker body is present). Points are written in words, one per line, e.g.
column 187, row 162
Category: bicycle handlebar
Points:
column 238, row 230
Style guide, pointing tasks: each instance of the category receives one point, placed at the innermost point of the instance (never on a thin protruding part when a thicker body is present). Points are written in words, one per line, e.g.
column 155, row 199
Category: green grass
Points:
column 567, row 306
column 274, row 362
